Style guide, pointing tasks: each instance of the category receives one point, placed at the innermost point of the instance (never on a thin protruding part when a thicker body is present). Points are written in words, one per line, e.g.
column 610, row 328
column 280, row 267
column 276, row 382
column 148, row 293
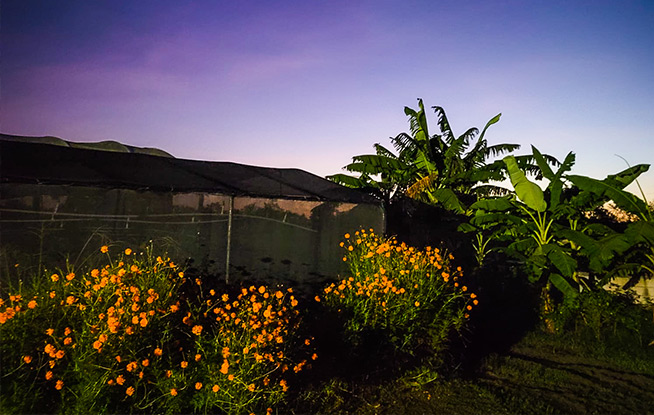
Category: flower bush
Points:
column 413, row 298
column 136, row 336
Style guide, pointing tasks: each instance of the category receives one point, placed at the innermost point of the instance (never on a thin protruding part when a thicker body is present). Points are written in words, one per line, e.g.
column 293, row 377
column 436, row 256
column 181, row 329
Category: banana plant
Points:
column 547, row 230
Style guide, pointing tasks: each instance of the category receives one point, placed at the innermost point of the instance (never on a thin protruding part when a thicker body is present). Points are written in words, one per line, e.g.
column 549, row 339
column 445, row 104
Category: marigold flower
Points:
column 110, row 382
column 131, row 366
column 314, row 356
column 169, row 373
column 225, row 367
column 130, row 391
column 184, row 364
column 283, row 384
column 317, row 299
column 347, row 236
column 230, row 378
column 32, row 304
column 70, row 300
column 49, row 332
column 120, row 379
column 158, row 352
column 27, row 359
column 70, row 276
column 53, row 294
column 145, row 362
column 198, row 357
column 469, row 307
column 104, row 249
column 49, row 349
column 59, row 385
column 54, row 277
column 67, row 341
column 215, row 388
column 417, row 303
column 262, row 289
column 251, row 387
column 197, row 330
column 60, row 354
column 173, row 392
column 475, row 302
column 128, row 251
column 48, row 375
column 198, row 385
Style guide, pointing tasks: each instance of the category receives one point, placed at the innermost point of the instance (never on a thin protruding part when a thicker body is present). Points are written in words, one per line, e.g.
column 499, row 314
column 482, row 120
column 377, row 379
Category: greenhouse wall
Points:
column 228, row 237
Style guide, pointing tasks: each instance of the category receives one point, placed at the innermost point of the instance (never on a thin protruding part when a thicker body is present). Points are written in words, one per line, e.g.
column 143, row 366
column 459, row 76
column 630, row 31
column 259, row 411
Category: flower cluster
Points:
column 411, row 294
column 134, row 333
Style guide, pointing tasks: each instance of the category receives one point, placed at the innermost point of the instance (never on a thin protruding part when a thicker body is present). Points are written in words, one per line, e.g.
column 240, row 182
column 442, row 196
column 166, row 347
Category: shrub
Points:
column 412, row 298
column 136, row 336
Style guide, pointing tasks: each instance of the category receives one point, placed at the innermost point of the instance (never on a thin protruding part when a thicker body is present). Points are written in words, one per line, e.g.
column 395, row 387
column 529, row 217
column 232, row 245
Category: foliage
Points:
column 548, row 231
column 136, row 336
column 414, row 299
column 605, row 314
column 439, row 168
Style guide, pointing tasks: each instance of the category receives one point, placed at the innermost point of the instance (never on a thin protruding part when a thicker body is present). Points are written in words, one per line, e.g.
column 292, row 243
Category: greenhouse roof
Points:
column 50, row 160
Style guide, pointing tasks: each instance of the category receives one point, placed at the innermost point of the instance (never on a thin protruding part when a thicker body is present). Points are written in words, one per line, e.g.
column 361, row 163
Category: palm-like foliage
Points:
column 439, row 169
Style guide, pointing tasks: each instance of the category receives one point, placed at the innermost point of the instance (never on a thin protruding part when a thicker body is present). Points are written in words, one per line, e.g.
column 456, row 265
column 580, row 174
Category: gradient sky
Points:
column 310, row 83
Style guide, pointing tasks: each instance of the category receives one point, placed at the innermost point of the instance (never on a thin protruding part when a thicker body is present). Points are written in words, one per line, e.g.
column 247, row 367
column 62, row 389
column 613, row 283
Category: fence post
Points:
column 229, row 237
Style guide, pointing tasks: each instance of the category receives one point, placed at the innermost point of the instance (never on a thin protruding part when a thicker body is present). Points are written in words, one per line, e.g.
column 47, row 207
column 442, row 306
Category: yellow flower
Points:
column 128, row 251
column 347, row 236
column 417, row 304
column 104, row 249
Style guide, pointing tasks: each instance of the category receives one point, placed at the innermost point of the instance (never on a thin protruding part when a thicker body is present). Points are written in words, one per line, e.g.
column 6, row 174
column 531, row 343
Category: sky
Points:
column 309, row 84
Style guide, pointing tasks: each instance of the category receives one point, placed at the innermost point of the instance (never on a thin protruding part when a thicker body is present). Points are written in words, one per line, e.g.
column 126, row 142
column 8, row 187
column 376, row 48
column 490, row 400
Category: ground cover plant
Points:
column 134, row 335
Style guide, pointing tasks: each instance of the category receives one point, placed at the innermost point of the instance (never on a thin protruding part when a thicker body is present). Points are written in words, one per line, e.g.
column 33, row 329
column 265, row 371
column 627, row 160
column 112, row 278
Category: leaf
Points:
column 561, row 259
column 490, row 122
column 448, row 199
column 610, row 189
column 529, row 193
column 348, row 181
column 499, row 204
column 569, row 292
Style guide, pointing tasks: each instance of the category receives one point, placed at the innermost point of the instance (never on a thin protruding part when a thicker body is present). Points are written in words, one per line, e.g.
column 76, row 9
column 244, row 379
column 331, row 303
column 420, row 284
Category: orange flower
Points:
column 198, row 357
column 70, row 300
column 215, row 388
column 118, row 359
column 317, row 299
column 225, row 367
column 226, row 352
column 145, row 362
column 59, row 385
column 104, row 249
column 60, row 354
column 130, row 391
column 230, row 377
column 49, row 349
column 417, row 303
column 184, row 364
column 173, row 392
column 131, row 366
column 158, row 352
column 128, row 251
column 67, row 331
column 48, row 375
column 143, row 322
column 53, row 294
column 70, row 276
column 262, row 289
column 120, row 379
column 283, row 384
column 32, row 304
column 67, row 341
column 469, row 307
column 27, row 359
column 251, row 387
column 54, row 277
column 198, row 385
column 314, row 356
column 49, row 332
column 197, row 330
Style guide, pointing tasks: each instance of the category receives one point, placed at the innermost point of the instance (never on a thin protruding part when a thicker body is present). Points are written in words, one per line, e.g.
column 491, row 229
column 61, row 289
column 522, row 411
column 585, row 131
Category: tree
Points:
column 438, row 169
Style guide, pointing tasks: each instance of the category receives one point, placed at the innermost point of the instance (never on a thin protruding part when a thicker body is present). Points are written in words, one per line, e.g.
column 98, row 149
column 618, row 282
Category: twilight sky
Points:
column 309, row 84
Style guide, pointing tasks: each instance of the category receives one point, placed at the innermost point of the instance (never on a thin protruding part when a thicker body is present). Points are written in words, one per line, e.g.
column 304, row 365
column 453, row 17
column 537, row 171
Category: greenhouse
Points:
column 61, row 199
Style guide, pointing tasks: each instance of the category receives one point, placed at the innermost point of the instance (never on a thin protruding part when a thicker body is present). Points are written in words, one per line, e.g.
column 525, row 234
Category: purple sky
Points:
column 309, row 84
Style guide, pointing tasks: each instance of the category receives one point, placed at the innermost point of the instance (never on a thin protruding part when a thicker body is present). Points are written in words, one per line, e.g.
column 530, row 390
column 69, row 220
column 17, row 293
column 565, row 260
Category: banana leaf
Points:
column 569, row 292
column 529, row 193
